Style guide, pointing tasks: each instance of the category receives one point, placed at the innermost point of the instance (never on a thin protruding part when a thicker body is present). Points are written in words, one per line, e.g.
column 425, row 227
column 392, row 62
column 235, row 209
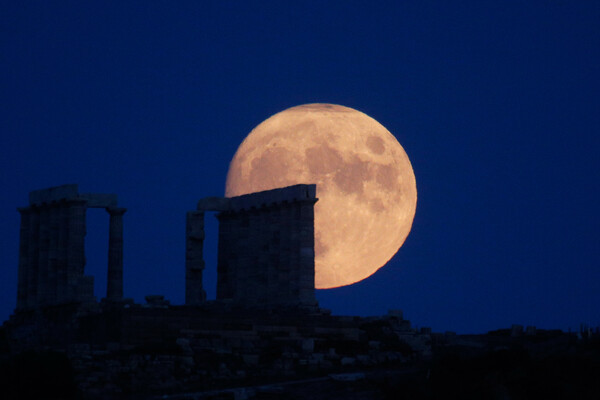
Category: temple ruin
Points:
column 52, row 248
column 265, row 322
column 265, row 251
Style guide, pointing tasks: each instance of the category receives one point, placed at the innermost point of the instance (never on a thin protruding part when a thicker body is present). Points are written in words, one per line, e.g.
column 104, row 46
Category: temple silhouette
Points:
column 265, row 254
column 264, row 336
column 264, row 322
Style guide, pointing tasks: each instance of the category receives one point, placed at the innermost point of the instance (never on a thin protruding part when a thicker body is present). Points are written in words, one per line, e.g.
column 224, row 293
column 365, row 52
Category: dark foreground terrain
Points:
column 550, row 365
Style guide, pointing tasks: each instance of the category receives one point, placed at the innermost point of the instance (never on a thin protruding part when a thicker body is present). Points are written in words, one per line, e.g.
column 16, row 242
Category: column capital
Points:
column 116, row 210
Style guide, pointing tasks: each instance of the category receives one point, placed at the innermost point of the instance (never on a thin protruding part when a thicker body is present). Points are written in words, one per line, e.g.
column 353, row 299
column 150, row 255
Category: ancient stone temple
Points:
column 265, row 323
column 265, row 251
column 52, row 248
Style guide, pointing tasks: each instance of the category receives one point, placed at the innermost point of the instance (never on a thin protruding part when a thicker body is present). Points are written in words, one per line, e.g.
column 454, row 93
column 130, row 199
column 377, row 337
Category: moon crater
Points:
column 323, row 160
column 375, row 144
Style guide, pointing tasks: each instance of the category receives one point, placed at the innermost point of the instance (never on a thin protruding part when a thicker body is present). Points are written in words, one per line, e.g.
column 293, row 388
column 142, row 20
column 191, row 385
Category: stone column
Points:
column 52, row 277
column 44, row 242
column 285, row 247
column 114, row 283
column 31, row 300
column 62, row 287
column 275, row 273
column 226, row 258
column 194, row 259
column 306, row 250
column 76, row 248
column 240, row 268
column 24, row 263
column 251, row 277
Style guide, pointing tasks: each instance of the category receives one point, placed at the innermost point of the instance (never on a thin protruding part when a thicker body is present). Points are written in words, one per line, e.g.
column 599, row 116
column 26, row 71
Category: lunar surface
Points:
column 365, row 184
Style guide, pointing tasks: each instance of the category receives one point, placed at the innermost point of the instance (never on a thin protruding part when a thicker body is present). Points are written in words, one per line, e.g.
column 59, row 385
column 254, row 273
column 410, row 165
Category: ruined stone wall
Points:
column 266, row 248
column 194, row 260
column 52, row 248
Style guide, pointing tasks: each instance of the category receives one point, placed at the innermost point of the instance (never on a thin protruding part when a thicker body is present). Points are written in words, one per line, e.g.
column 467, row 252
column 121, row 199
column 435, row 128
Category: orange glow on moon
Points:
column 365, row 184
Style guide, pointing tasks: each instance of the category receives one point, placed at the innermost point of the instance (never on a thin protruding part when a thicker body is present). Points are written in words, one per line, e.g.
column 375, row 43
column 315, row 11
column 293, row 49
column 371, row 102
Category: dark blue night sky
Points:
column 496, row 103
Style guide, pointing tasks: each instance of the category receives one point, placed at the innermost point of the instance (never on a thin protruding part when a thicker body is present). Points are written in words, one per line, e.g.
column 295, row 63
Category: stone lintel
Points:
column 99, row 200
column 301, row 192
column 70, row 193
column 213, row 204
column 55, row 193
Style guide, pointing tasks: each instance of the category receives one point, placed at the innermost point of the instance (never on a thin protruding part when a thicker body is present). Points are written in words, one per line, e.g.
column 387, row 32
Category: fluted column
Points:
column 76, row 249
column 52, row 277
column 31, row 300
column 24, row 263
column 306, row 251
column 228, row 258
column 44, row 244
column 194, row 260
column 114, row 283
column 285, row 251
column 271, row 241
column 62, row 286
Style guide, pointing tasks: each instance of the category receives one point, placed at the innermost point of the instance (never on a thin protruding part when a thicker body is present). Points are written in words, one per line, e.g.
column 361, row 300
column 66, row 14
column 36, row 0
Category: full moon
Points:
column 365, row 184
